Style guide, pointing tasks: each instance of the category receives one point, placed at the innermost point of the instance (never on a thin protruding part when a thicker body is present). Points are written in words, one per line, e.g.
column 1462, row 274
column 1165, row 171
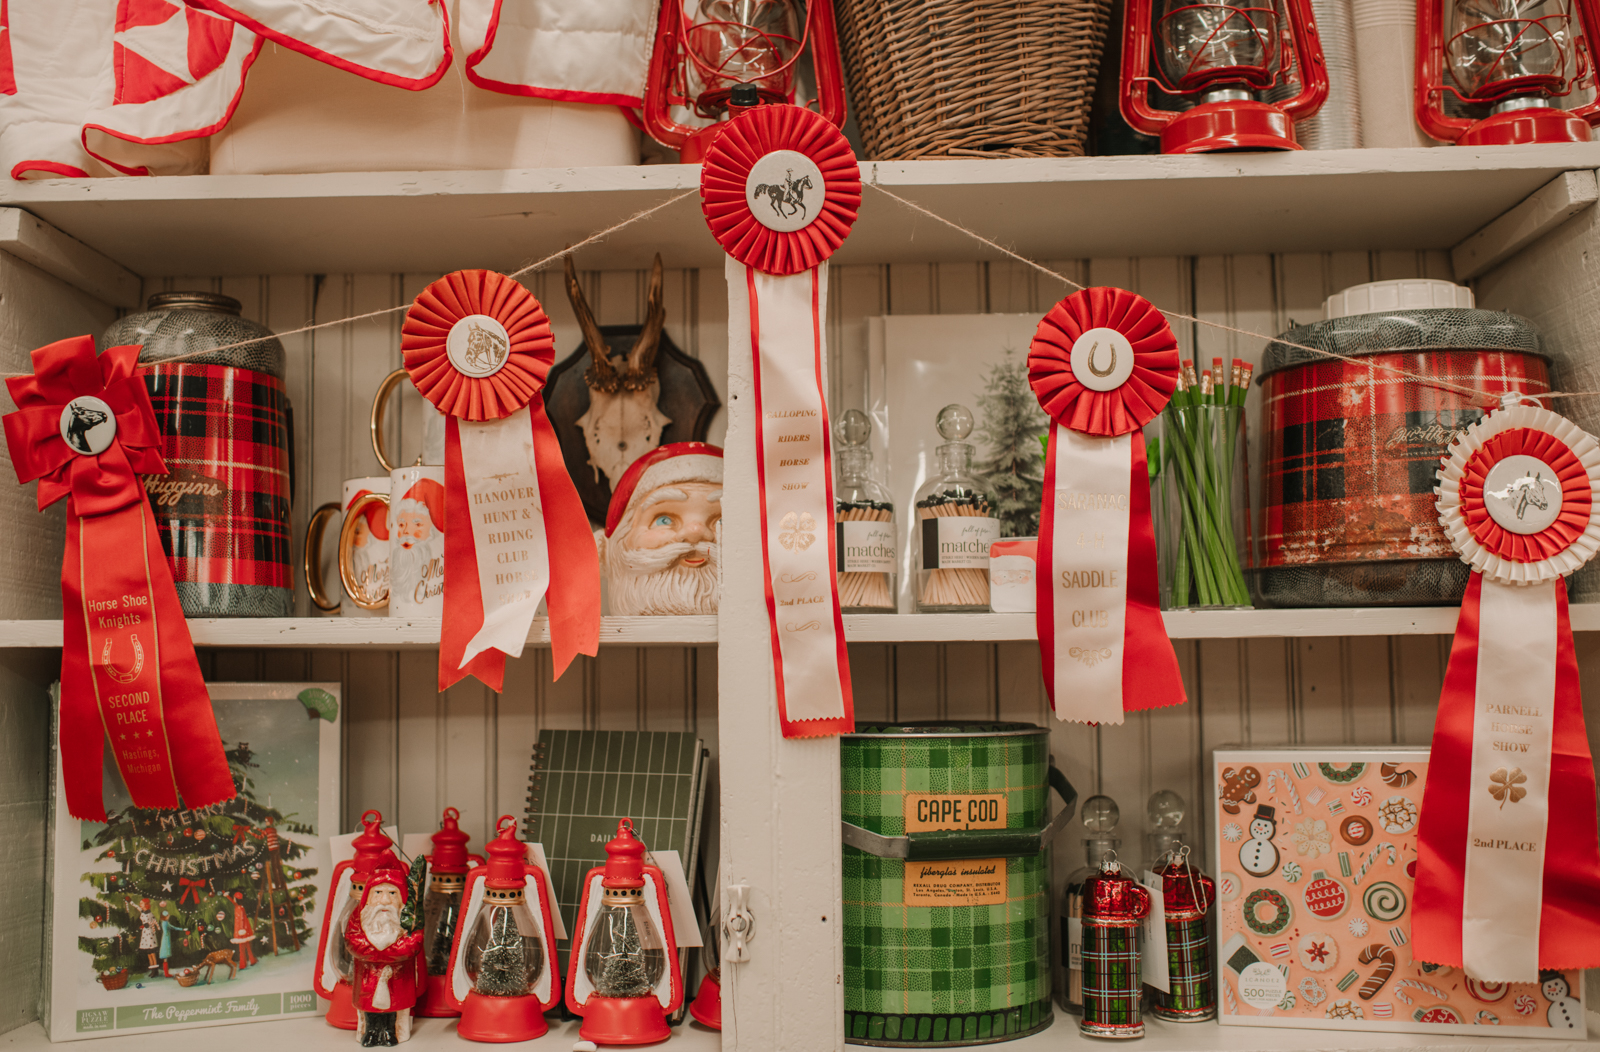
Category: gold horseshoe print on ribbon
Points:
column 138, row 661
column 1108, row 370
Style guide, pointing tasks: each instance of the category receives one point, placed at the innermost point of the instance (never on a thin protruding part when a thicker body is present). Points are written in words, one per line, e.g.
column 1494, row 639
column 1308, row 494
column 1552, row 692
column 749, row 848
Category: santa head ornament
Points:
column 1519, row 498
column 660, row 552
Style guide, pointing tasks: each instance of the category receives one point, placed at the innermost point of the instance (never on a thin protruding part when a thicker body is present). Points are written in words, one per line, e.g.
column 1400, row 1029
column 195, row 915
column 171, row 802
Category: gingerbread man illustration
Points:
column 1239, row 787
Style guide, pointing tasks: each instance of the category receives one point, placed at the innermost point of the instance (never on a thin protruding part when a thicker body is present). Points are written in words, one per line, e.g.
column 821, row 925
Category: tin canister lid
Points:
column 1429, row 329
column 194, row 301
column 1376, row 297
column 945, row 729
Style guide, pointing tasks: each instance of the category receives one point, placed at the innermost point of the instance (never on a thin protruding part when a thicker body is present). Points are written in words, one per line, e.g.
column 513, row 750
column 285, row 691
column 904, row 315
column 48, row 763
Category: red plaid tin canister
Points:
column 1352, row 447
column 223, row 508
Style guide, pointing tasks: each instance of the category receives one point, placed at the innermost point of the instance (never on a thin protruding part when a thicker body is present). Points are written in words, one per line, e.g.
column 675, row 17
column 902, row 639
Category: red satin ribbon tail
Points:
column 573, row 598
column 1569, row 924
column 200, row 765
column 463, row 595
column 79, row 730
column 1151, row 678
column 1044, row 573
column 823, row 728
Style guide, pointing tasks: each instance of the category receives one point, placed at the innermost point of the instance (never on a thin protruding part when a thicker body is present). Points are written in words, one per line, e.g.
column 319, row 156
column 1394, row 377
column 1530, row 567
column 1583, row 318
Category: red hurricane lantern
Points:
column 374, row 852
column 623, row 975
column 448, row 865
column 1513, row 58
column 1224, row 55
column 735, row 54
column 503, row 975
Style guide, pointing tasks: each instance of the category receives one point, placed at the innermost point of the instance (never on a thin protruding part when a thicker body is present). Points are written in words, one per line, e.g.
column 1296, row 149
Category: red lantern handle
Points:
column 658, row 82
column 1134, row 98
column 1308, row 60
column 1589, row 15
column 1429, row 87
column 825, row 60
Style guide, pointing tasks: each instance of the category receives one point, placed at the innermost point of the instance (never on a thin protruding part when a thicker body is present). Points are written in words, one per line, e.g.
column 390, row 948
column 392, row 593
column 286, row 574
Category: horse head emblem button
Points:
column 1522, row 494
column 88, row 425
column 784, row 190
column 478, row 346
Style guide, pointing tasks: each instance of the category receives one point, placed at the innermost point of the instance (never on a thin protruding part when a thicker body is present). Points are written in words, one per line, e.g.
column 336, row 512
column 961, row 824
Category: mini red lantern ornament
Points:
column 735, row 55
column 1514, row 58
column 503, row 975
column 374, row 852
column 623, row 976
column 1225, row 55
column 448, row 864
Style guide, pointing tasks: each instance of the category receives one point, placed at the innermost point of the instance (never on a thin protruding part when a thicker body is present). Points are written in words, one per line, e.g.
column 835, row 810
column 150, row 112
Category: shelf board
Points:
column 1045, row 208
column 383, row 633
column 311, row 1034
column 438, row 1035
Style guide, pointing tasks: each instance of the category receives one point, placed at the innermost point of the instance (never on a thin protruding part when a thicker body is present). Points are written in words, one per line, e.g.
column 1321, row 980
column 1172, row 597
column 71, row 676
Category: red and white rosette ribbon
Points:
column 1508, row 866
column 1103, row 364
column 780, row 189
column 85, row 429
column 478, row 346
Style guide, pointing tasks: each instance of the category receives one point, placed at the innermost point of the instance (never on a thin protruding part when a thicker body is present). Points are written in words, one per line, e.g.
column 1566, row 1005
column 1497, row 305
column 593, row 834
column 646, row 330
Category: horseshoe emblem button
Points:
column 1093, row 367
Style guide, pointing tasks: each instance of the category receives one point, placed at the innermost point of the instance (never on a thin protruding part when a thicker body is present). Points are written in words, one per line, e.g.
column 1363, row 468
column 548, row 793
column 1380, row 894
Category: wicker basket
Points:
column 958, row 78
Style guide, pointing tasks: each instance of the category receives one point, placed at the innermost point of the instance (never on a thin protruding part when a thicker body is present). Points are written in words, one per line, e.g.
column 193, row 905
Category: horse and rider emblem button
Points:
column 478, row 346
column 88, row 425
column 1522, row 494
column 784, row 190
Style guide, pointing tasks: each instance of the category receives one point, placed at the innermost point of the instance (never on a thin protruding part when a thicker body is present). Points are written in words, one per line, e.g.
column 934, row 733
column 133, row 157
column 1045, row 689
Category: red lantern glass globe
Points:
column 730, row 55
column 623, row 976
column 448, row 866
column 1213, row 62
column 1504, row 67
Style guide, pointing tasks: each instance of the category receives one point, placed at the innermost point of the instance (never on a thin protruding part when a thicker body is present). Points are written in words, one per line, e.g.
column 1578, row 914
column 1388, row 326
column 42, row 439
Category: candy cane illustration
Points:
column 1372, row 856
column 1393, row 775
column 1415, row 984
column 1383, row 957
column 1274, row 777
column 138, row 661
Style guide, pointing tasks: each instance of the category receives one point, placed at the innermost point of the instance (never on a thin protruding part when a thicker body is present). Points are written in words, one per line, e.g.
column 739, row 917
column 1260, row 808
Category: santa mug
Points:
column 416, row 541
column 363, row 557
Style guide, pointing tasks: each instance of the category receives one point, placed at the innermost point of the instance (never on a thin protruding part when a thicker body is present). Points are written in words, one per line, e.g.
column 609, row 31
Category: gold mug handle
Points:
column 347, row 532
column 313, row 556
column 380, row 402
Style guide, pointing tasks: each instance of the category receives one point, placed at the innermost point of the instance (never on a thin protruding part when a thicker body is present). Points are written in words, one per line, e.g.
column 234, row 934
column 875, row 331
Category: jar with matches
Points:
column 955, row 525
column 864, row 531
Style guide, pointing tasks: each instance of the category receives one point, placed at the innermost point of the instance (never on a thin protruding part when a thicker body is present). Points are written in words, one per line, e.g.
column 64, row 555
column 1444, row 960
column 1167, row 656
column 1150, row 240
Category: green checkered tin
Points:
column 936, row 976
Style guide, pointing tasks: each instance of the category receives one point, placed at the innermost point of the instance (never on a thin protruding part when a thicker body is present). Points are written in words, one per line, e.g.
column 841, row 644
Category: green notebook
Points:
column 582, row 782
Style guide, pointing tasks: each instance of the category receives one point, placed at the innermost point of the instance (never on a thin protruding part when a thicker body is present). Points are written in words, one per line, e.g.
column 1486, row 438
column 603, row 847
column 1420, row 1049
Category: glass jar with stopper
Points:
column 1099, row 816
column 955, row 525
column 864, row 534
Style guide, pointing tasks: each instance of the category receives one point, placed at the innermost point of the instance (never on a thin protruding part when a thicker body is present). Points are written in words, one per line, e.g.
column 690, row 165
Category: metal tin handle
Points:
column 948, row 844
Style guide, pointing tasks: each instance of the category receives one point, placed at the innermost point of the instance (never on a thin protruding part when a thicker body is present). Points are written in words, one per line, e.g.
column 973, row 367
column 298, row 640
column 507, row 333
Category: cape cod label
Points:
column 864, row 547
column 930, row 811
column 958, row 542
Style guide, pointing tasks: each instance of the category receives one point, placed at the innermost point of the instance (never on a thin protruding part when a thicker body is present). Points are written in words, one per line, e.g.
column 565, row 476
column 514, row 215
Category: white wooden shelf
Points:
column 1051, row 208
column 436, row 1035
column 336, row 633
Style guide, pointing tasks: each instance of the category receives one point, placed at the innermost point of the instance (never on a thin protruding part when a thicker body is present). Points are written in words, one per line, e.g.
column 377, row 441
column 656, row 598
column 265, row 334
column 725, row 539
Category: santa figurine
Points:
column 384, row 940
column 660, row 550
column 416, row 551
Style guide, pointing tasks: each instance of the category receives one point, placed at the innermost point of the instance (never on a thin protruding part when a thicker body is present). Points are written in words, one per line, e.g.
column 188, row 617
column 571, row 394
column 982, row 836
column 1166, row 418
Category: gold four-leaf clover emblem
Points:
column 1506, row 786
column 798, row 531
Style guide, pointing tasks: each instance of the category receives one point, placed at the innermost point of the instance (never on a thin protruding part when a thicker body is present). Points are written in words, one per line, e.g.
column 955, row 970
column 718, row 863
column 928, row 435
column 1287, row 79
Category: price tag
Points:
column 1153, row 960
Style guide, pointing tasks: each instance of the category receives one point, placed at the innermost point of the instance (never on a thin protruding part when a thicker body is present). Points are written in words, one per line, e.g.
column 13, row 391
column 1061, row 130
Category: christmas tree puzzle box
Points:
column 169, row 920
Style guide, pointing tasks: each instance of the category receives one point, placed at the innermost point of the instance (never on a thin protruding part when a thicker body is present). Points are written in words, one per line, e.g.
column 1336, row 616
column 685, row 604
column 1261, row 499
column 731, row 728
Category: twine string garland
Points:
column 1476, row 394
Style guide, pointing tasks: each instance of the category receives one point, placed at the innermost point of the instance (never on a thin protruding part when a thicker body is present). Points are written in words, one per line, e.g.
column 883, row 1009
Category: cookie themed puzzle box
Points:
column 1315, row 855
column 175, row 919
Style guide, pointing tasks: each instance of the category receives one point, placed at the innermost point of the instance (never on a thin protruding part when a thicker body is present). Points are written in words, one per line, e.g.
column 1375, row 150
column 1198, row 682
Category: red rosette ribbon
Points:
column 780, row 188
column 1103, row 364
column 85, row 429
column 732, row 206
column 1507, row 842
column 478, row 346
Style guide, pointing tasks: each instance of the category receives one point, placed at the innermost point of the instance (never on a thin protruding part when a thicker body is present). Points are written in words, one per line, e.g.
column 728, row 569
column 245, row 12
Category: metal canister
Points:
column 1186, row 897
column 1114, row 909
column 222, row 509
column 1352, row 448
column 947, row 882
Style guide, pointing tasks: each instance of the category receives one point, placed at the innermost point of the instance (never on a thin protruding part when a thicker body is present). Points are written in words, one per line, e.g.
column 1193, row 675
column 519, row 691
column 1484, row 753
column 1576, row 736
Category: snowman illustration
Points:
column 1258, row 855
column 1565, row 1011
